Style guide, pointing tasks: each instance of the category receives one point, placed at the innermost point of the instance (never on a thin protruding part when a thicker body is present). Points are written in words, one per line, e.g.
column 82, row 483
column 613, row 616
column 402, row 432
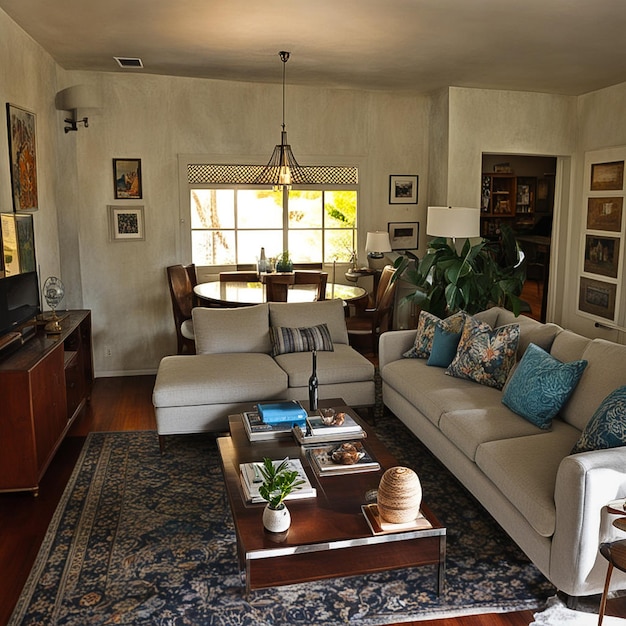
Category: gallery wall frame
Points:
column 403, row 188
column 404, row 235
column 605, row 213
column 597, row 298
column 602, row 255
column 607, row 176
column 126, row 223
column 18, row 243
column 127, row 181
column 22, row 134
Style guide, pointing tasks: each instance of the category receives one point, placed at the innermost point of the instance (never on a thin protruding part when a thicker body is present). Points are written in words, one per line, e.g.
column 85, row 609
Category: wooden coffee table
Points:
column 329, row 536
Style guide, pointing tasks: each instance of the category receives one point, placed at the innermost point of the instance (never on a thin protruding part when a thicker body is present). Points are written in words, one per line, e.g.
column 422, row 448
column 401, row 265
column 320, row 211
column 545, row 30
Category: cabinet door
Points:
column 49, row 405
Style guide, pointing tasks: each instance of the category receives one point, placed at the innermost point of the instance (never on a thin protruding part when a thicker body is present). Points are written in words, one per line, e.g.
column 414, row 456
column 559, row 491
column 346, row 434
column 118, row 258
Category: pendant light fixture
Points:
column 282, row 170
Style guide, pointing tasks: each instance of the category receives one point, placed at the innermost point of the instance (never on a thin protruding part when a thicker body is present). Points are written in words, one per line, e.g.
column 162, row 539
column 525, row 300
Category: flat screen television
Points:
column 19, row 300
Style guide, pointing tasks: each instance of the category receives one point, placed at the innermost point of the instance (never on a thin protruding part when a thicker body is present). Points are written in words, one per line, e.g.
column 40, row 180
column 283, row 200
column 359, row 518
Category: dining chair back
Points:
column 277, row 285
column 181, row 280
column 313, row 277
column 239, row 277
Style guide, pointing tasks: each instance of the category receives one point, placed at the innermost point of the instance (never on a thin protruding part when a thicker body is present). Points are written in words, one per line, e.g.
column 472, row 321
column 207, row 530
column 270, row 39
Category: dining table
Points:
column 233, row 294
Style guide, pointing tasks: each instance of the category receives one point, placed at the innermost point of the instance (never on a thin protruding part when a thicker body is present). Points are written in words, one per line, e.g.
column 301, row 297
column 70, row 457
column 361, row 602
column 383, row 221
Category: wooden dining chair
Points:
column 182, row 279
column 277, row 285
column 313, row 277
column 368, row 324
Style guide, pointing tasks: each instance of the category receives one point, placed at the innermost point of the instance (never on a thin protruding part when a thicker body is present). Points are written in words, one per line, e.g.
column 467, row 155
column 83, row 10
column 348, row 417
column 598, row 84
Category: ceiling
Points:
column 565, row 47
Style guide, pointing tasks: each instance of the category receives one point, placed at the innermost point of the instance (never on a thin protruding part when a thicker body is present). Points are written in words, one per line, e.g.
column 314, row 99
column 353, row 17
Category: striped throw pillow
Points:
column 285, row 340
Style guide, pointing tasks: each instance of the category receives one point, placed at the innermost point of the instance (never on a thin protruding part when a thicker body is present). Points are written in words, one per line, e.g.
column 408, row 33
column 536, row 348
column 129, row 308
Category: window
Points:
column 229, row 226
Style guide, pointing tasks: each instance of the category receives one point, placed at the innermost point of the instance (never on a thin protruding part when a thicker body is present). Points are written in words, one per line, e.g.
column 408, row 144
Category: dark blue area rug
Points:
column 144, row 538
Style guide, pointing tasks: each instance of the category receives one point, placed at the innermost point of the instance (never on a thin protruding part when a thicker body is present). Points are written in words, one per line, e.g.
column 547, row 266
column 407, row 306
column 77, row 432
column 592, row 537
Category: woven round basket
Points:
column 399, row 495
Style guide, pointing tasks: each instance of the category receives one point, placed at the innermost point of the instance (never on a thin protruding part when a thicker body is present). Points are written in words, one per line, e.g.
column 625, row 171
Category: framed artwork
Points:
column 403, row 189
column 126, row 223
column 607, row 176
column 25, row 242
column 9, row 244
column 597, row 298
column 601, row 255
column 127, row 179
column 404, row 235
column 22, row 158
column 605, row 214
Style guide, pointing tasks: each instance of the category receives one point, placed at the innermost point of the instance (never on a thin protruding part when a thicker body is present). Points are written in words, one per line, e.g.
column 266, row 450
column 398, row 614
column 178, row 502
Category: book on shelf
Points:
column 379, row 526
column 285, row 411
column 325, row 460
column 252, row 479
column 257, row 430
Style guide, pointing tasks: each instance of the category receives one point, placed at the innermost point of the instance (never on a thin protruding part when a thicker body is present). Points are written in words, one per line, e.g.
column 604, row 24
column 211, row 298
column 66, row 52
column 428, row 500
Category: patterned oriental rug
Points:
column 139, row 538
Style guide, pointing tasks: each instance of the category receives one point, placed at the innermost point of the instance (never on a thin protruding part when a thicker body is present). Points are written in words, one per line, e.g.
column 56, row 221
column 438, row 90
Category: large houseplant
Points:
column 278, row 482
column 488, row 273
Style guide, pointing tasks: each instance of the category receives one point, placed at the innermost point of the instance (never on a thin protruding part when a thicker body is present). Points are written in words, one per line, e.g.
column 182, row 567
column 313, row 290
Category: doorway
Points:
column 525, row 186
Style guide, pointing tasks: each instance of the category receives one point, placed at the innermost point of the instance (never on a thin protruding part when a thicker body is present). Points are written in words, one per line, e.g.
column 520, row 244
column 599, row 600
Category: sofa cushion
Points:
column 604, row 373
column 426, row 324
column 301, row 314
column 343, row 365
column 541, row 385
column 485, row 355
column 286, row 340
column 607, row 427
column 188, row 380
column 244, row 329
column 444, row 347
column 468, row 428
column 525, row 469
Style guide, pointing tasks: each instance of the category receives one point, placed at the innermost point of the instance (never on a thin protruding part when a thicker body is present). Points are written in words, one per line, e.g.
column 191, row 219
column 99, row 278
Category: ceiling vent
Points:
column 128, row 62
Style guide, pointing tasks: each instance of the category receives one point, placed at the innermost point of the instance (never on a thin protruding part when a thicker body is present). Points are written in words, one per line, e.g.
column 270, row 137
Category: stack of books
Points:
column 316, row 432
column 323, row 459
column 273, row 420
column 252, row 479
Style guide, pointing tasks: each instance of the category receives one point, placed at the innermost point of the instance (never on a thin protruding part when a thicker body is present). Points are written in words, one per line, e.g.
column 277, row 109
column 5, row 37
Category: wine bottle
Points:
column 313, row 385
column 262, row 262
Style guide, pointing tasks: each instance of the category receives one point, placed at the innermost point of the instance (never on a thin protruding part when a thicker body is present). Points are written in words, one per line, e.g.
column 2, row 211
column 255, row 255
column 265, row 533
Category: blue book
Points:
column 278, row 412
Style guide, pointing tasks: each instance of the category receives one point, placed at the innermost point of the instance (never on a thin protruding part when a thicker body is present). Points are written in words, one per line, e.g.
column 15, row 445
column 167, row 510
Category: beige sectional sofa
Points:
column 234, row 367
column 551, row 502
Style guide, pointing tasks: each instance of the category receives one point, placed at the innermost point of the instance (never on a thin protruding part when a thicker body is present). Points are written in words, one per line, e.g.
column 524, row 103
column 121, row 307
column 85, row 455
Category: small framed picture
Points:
column 605, row 214
column 127, row 179
column 597, row 298
column 404, row 235
column 607, row 176
column 22, row 158
column 10, row 247
column 126, row 223
column 403, row 189
column 601, row 255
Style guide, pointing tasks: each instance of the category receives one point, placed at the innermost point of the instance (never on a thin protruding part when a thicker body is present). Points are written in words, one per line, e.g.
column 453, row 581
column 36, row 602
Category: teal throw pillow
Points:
column 541, row 385
column 286, row 340
column 426, row 324
column 607, row 426
column 444, row 347
column 485, row 355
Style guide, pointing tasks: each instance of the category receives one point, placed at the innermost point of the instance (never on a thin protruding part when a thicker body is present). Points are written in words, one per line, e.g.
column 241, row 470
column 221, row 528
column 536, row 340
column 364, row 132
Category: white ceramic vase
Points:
column 276, row 520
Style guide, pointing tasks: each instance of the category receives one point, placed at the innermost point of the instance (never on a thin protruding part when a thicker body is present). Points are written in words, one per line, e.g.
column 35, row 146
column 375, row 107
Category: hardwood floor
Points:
column 121, row 404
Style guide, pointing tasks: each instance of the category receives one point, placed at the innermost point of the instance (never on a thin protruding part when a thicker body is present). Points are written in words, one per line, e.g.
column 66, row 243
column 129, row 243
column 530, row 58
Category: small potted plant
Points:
column 278, row 482
column 284, row 262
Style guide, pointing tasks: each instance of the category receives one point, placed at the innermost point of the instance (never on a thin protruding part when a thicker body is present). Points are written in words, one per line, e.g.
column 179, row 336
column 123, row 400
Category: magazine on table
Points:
column 252, row 479
column 344, row 424
column 305, row 439
column 342, row 458
column 258, row 430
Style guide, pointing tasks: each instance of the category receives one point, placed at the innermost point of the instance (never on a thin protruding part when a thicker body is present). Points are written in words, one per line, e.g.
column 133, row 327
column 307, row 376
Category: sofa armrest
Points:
column 585, row 484
column 393, row 344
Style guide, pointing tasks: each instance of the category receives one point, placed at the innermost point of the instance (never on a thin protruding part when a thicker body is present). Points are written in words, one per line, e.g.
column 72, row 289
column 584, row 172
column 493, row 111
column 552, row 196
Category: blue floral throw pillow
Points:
column 485, row 355
column 607, row 427
column 426, row 325
column 541, row 385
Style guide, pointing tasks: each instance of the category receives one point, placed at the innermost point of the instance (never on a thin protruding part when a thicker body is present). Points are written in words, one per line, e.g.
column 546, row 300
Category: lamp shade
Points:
column 453, row 222
column 378, row 241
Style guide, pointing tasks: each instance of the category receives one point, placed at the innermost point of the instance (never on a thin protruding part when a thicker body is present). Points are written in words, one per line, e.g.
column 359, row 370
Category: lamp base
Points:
column 376, row 262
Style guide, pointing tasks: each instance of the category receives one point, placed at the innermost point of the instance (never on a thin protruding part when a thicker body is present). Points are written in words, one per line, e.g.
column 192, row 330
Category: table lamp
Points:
column 453, row 222
column 376, row 244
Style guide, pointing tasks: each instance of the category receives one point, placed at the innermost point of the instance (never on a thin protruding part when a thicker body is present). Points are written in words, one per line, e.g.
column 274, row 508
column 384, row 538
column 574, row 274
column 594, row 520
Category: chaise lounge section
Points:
column 550, row 501
column 257, row 353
